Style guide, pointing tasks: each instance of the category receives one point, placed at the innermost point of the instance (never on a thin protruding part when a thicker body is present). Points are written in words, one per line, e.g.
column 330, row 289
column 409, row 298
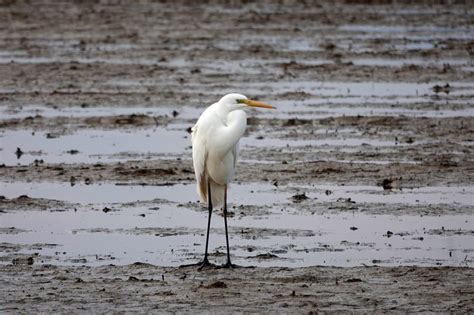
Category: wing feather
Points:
column 235, row 152
column 215, row 149
column 199, row 162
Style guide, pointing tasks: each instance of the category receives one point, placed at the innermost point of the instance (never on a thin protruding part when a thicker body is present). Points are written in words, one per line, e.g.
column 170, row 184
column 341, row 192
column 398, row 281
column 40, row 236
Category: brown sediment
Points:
column 370, row 95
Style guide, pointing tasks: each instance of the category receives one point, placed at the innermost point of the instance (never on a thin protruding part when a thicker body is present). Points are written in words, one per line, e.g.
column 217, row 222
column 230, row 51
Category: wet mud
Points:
column 148, row 288
column 355, row 195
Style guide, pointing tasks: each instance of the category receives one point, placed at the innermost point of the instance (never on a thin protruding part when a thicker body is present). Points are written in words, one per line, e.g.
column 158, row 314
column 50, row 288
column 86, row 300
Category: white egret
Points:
column 215, row 142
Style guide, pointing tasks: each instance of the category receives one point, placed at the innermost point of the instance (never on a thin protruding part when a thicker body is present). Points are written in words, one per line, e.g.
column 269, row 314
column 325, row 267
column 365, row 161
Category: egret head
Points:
column 236, row 101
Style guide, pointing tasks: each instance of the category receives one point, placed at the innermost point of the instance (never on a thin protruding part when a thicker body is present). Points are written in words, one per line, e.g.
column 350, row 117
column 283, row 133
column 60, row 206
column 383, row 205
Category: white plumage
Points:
column 215, row 139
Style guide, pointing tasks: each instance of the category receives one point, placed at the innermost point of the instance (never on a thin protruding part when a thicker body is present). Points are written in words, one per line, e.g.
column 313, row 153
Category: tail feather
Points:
column 202, row 187
column 217, row 192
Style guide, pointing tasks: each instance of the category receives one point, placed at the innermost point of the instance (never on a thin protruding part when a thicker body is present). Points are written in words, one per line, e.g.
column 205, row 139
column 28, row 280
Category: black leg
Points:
column 228, row 264
column 209, row 199
column 205, row 262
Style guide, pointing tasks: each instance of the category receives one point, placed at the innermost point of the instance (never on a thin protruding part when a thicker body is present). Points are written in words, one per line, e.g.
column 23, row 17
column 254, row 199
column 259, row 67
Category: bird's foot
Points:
column 201, row 265
column 205, row 264
column 229, row 265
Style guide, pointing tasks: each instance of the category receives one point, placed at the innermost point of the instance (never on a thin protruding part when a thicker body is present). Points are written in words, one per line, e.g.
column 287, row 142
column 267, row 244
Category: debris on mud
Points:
column 106, row 209
column 442, row 89
column 18, row 153
column 299, row 198
column 266, row 256
column 215, row 285
column 95, row 119
column 352, row 280
column 23, row 261
column 391, row 183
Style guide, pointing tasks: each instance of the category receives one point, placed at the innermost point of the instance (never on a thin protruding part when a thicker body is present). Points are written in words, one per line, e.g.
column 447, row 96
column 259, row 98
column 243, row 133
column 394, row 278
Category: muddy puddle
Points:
column 321, row 99
column 312, row 109
column 368, row 160
column 45, row 111
column 23, row 147
column 257, row 194
column 164, row 225
column 335, row 90
column 88, row 146
column 172, row 236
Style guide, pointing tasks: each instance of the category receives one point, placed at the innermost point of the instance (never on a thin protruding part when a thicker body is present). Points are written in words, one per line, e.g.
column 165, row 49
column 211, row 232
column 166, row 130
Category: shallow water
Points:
column 406, row 62
column 96, row 145
column 163, row 224
column 311, row 109
column 112, row 193
column 169, row 230
column 92, row 145
column 185, row 112
column 173, row 236
column 338, row 89
column 248, row 194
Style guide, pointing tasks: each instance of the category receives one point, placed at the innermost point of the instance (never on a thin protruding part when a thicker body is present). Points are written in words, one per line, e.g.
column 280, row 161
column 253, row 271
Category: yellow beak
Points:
column 257, row 104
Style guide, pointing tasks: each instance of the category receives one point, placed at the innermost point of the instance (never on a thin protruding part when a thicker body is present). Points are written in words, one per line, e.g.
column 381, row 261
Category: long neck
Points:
column 222, row 112
column 234, row 128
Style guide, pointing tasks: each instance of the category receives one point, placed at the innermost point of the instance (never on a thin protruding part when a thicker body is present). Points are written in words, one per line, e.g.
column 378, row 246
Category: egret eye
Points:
column 241, row 101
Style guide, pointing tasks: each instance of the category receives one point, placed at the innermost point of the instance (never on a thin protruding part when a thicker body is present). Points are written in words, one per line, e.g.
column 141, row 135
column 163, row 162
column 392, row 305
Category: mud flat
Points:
column 355, row 195
column 145, row 288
